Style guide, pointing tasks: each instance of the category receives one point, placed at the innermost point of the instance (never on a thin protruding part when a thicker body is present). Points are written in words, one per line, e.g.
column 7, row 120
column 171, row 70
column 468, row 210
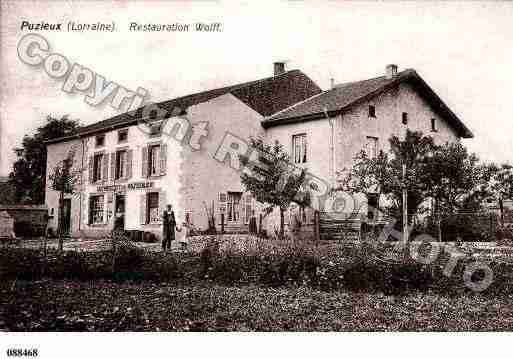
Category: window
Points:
column 122, row 135
column 153, row 160
column 155, row 129
column 96, row 209
column 371, row 147
column 97, row 167
column 405, row 118
column 100, row 140
column 153, row 207
column 299, row 148
column 121, row 164
column 372, row 111
column 433, row 125
column 233, row 206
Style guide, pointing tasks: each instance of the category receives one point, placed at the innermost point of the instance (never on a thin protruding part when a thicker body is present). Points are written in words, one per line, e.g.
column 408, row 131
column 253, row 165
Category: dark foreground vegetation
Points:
column 295, row 287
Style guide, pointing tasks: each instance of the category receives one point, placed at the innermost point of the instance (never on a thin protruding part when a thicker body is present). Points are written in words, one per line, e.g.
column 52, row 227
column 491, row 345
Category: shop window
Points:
column 153, row 208
column 96, row 209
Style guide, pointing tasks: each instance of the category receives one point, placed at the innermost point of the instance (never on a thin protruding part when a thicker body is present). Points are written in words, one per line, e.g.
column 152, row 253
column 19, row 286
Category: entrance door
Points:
column 66, row 217
column 119, row 222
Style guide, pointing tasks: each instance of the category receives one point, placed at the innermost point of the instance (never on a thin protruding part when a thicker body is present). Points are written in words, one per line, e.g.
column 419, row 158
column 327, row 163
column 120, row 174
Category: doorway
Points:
column 119, row 213
column 66, row 216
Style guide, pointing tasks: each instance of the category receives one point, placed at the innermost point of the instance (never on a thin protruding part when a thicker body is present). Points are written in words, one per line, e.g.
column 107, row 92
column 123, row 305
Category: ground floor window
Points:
column 96, row 209
column 233, row 206
column 153, row 215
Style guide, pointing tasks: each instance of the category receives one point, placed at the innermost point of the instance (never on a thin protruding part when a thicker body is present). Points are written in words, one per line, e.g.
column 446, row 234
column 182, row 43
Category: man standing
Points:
column 168, row 228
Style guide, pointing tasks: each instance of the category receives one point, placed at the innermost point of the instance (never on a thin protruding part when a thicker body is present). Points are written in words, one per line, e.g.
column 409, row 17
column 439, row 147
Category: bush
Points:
column 367, row 268
column 20, row 263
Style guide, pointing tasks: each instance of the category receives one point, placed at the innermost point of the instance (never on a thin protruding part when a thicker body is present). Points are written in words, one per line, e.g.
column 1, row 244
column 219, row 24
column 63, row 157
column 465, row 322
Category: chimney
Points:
column 279, row 68
column 332, row 83
column 391, row 71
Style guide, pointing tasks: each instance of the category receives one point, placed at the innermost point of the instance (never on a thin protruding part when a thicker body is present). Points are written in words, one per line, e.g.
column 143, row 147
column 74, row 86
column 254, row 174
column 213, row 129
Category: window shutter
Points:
column 222, row 205
column 162, row 203
column 90, row 169
column 109, row 207
column 89, row 211
column 128, row 171
column 105, row 170
column 113, row 166
column 163, row 159
column 142, row 208
column 144, row 162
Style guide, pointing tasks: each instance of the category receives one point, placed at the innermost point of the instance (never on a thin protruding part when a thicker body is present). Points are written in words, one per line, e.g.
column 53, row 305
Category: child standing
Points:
column 183, row 235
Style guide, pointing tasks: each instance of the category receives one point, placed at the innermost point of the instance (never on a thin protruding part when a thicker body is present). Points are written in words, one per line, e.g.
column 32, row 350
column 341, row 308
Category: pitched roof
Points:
column 342, row 97
column 266, row 96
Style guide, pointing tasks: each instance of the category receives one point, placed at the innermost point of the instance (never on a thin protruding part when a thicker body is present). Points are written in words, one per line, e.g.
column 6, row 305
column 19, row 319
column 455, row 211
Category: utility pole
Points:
column 405, row 205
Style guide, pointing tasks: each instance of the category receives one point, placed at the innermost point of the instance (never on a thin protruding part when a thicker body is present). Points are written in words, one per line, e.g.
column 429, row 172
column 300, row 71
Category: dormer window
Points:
column 372, row 111
column 100, row 141
column 405, row 118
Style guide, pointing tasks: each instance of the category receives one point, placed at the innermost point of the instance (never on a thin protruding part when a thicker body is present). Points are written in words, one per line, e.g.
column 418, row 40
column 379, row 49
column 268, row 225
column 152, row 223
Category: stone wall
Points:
column 28, row 221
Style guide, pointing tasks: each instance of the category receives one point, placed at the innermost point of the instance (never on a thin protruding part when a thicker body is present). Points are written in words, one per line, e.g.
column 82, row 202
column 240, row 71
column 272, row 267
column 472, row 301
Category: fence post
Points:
column 317, row 236
column 222, row 223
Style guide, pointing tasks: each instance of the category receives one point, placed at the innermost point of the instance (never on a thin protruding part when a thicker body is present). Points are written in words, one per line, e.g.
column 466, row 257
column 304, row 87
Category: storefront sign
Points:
column 123, row 187
column 111, row 188
column 140, row 185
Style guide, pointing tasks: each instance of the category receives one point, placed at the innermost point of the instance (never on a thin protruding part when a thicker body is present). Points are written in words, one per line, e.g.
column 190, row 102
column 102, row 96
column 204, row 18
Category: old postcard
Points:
column 335, row 167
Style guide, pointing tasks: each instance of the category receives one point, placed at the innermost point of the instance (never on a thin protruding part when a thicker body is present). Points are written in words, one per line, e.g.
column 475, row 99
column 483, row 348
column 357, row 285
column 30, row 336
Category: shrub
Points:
column 20, row 263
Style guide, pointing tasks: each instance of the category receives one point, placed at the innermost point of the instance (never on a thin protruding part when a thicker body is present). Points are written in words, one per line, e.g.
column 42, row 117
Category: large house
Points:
column 187, row 155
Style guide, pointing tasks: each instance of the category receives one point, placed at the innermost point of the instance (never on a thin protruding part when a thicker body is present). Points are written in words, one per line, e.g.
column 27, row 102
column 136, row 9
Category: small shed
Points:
column 6, row 225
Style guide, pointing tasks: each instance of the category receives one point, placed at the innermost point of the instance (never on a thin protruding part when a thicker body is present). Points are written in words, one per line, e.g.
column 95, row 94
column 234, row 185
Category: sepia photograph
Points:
column 310, row 168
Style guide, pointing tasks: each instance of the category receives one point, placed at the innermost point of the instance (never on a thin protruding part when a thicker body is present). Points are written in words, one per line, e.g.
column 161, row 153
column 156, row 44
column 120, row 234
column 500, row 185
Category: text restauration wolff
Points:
column 175, row 27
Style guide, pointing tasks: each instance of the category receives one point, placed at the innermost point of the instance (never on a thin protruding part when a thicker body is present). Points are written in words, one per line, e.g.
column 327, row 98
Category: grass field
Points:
column 60, row 305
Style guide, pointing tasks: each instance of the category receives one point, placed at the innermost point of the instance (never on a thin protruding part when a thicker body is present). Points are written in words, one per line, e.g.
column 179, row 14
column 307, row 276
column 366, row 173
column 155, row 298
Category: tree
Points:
column 64, row 179
column 501, row 185
column 368, row 175
column 455, row 179
column 28, row 174
column 383, row 174
column 272, row 179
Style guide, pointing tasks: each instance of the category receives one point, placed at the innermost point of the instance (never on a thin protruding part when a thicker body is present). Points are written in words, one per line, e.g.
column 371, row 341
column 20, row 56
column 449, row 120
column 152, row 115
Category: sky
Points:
column 464, row 50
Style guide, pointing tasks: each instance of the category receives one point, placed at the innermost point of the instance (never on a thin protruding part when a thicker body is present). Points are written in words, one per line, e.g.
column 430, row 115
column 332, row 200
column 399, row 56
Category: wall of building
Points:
column 355, row 125
column 350, row 131
column 55, row 154
column 211, row 171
